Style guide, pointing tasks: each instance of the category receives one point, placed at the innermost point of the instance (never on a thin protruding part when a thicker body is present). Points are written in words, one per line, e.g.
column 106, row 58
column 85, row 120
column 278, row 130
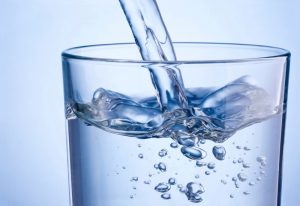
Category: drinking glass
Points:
column 238, row 91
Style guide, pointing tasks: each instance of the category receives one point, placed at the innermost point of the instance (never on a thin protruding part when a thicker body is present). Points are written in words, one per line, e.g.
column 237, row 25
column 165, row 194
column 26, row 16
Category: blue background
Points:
column 33, row 164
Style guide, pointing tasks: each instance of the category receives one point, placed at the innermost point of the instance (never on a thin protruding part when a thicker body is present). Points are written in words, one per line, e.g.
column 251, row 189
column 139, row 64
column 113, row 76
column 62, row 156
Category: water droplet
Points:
column 200, row 164
column 258, row 179
column 231, row 196
column 262, row 172
column 219, row 152
column 163, row 153
column 211, row 165
column 234, row 179
column 240, row 160
column 194, row 190
column 207, row 172
column 156, row 166
column 193, row 152
column 174, row 145
column 242, row 177
column 234, row 161
column 134, row 179
column 141, row 156
column 134, row 187
column 162, row 187
column 131, row 196
column 180, row 186
column 238, row 147
column 186, row 141
column 162, row 167
column 123, row 167
column 237, row 185
column 172, row 181
column 139, row 145
column 197, row 176
column 166, row 196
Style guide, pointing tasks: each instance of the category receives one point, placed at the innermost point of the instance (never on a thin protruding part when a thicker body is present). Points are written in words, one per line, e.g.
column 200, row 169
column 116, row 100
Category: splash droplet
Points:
column 194, row 190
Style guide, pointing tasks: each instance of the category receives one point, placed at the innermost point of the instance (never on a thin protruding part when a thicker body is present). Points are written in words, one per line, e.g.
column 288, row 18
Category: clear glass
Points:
column 107, row 168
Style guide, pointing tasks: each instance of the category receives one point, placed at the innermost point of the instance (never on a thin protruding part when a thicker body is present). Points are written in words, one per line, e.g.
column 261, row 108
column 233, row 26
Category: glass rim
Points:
column 281, row 53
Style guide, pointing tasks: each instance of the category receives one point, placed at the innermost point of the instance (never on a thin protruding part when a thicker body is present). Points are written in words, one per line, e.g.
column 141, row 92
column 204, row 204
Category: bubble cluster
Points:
column 163, row 152
column 193, row 192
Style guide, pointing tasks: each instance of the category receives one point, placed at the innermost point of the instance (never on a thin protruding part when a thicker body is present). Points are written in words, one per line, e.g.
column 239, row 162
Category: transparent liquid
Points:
column 110, row 170
column 184, row 146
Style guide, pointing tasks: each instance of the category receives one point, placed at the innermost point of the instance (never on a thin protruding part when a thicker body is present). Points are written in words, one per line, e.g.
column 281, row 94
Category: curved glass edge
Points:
column 282, row 53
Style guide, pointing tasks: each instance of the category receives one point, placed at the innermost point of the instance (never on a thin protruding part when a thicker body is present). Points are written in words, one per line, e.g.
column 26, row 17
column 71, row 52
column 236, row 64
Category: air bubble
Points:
column 224, row 182
column 172, row 181
column 247, row 148
column 162, row 167
column 193, row 152
column 219, row 152
column 246, row 165
column 211, row 165
column 200, row 164
column 147, row 182
column 162, row 187
column 242, row 177
column 246, row 193
column 163, row 153
column 186, row 141
column 174, row 145
column 135, row 179
column 166, row 196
